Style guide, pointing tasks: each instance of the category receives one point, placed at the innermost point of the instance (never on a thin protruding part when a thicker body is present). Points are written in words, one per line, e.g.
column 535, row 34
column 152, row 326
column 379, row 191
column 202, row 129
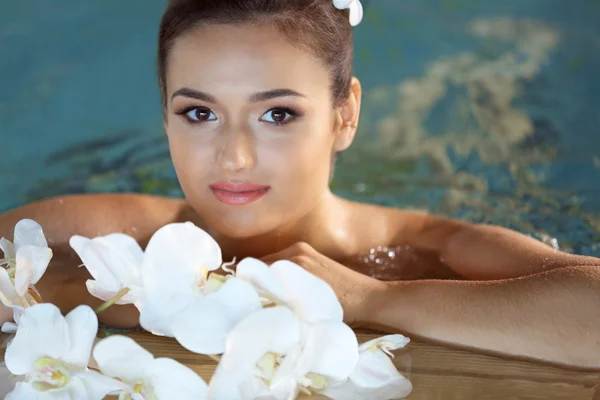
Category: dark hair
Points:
column 315, row 25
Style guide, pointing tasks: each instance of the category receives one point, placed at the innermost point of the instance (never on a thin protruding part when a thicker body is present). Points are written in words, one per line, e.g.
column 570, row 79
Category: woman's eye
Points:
column 200, row 114
column 279, row 116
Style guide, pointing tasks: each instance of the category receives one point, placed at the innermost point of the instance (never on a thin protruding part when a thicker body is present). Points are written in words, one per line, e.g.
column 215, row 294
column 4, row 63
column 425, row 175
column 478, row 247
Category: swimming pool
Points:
column 488, row 111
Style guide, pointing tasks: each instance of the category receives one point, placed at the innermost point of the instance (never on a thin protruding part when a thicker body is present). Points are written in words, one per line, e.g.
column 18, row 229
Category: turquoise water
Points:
column 488, row 111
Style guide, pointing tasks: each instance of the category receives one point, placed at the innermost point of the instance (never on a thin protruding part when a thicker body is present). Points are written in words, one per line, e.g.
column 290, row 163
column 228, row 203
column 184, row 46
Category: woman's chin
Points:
column 240, row 225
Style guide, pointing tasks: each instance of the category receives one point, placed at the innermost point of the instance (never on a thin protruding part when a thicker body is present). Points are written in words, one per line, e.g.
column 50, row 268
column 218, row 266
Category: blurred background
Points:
column 487, row 111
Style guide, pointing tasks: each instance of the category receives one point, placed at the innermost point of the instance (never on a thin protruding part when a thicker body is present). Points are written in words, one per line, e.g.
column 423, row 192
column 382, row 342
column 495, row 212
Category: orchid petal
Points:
column 157, row 311
column 392, row 342
column 259, row 275
column 121, row 357
column 311, row 297
column 376, row 375
column 104, row 262
column 275, row 330
column 172, row 380
column 180, row 249
column 356, row 13
column 29, row 232
column 43, row 332
column 8, row 248
column 98, row 386
column 204, row 325
column 9, row 327
column 284, row 384
column 126, row 246
column 129, row 255
column 75, row 389
column 245, row 386
column 24, row 391
column 83, row 328
column 7, row 384
column 134, row 296
column 17, row 313
column 236, row 298
column 8, row 294
column 331, row 350
column 183, row 252
column 258, row 386
column 32, row 262
column 99, row 291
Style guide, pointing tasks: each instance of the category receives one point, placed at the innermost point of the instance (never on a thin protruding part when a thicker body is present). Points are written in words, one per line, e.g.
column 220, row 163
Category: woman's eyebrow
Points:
column 273, row 94
column 254, row 98
column 195, row 94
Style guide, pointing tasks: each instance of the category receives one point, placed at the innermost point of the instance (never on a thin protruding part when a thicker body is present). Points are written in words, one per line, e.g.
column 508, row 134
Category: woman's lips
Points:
column 238, row 193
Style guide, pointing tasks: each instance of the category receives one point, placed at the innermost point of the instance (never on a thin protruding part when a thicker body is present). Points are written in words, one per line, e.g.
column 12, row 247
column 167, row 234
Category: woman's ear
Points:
column 348, row 115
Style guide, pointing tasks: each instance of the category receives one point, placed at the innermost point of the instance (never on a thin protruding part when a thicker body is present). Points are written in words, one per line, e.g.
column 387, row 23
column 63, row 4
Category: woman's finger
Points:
column 284, row 254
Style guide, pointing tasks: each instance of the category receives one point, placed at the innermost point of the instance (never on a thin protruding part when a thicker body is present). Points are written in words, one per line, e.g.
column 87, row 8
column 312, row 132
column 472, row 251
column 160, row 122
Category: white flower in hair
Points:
column 356, row 9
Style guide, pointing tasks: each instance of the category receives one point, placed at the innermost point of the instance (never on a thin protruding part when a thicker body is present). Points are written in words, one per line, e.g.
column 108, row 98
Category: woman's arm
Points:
column 88, row 215
column 485, row 252
column 525, row 298
column 552, row 316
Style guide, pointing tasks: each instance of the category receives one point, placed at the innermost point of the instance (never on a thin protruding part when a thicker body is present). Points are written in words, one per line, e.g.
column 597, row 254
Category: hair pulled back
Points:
column 315, row 25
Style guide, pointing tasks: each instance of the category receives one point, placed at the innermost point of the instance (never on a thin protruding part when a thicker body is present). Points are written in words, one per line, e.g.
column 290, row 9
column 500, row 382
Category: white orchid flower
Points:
column 115, row 262
column 185, row 298
column 148, row 378
column 50, row 353
column 7, row 383
column 26, row 261
column 272, row 353
column 375, row 376
column 288, row 284
column 11, row 327
column 356, row 9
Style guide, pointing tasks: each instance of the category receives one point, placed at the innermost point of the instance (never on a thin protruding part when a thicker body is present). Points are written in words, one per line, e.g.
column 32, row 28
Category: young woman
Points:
column 258, row 97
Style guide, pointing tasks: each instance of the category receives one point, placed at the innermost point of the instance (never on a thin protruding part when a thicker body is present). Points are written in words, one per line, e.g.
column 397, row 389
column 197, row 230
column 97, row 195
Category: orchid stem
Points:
column 111, row 302
column 35, row 294
column 225, row 266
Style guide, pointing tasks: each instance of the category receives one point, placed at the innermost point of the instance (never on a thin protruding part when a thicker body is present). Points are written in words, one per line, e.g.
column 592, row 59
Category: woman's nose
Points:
column 236, row 151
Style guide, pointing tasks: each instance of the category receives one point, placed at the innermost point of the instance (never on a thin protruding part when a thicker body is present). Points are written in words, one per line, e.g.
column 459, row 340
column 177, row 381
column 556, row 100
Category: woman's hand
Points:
column 357, row 293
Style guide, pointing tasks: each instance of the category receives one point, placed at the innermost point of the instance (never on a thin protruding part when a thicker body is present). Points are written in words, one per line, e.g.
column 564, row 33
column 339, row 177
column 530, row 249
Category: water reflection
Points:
column 402, row 263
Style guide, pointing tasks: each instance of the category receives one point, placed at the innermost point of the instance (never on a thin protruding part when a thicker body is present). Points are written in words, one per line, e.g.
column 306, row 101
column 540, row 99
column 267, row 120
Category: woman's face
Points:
column 251, row 127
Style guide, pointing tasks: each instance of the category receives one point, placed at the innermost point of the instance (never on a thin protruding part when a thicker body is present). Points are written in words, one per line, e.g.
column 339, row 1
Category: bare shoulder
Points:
column 93, row 215
column 380, row 224
column 390, row 226
column 473, row 251
column 428, row 231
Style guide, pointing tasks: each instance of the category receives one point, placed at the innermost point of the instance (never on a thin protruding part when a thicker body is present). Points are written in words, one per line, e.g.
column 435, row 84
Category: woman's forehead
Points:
column 239, row 56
